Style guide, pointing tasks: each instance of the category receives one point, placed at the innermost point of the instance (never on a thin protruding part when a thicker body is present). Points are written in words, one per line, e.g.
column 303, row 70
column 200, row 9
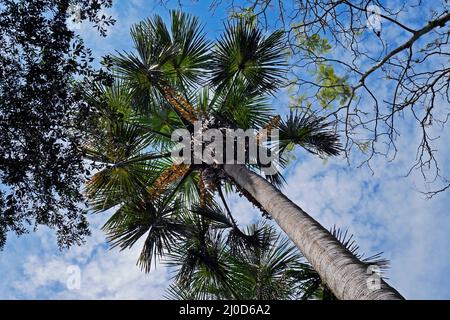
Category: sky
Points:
column 385, row 211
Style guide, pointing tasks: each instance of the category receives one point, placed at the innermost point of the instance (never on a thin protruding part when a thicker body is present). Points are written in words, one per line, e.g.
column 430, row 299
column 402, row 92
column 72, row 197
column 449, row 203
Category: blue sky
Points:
column 385, row 211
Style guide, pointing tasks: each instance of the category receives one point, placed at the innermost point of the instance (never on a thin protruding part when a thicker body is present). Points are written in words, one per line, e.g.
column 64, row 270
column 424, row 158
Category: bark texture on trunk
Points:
column 346, row 276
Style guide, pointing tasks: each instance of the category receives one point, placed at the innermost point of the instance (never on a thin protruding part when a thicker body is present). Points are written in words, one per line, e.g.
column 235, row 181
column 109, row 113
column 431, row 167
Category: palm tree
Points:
column 175, row 78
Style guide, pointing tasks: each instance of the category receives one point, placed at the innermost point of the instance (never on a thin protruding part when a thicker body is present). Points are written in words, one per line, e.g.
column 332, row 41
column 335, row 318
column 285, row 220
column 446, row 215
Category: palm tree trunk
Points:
column 345, row 275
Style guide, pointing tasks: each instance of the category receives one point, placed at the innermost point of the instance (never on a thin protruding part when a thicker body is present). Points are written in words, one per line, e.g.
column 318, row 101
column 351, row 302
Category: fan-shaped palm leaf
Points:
column 244, row 52
column 311, row 132
column 142, row 216
column 199, row 259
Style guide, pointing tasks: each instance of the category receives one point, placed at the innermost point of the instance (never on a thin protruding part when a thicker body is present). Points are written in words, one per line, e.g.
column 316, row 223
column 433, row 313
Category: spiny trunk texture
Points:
column 346, row 276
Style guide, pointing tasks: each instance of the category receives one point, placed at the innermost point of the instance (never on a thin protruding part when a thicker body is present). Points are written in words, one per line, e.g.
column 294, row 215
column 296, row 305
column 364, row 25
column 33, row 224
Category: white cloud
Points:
column 105, row 274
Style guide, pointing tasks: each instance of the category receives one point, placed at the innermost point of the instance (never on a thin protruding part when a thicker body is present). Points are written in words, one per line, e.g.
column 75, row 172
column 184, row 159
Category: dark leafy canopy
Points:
column 42, row 115
column 174, row 78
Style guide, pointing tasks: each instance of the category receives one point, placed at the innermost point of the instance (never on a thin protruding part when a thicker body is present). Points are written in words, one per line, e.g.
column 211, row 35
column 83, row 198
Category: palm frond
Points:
column 213, row 213
column 244, row 52
column 241, row 242
column 199, row 258
column 140, row 217
column 175, row 56
column 178, row 291
column 262, row 272
column 246, row 109
column 311, row 132
column 126, row 167
column 192, row 59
